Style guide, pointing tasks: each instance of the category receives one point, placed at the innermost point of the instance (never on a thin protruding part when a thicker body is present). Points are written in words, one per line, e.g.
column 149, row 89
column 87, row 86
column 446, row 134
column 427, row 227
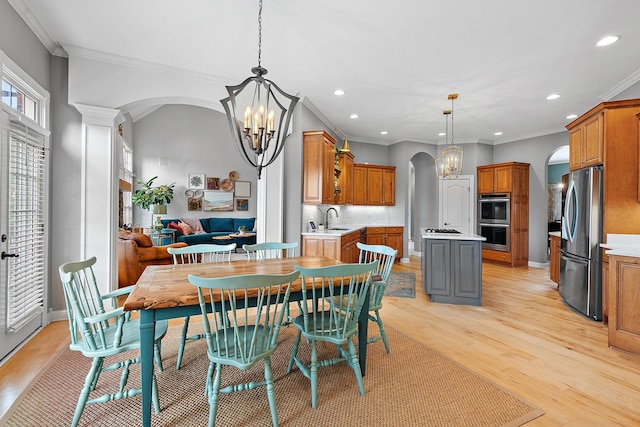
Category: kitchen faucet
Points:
column 326, row 216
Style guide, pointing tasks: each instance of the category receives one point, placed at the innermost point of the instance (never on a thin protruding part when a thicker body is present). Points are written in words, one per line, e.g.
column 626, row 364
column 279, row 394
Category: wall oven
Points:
column 498, row 236
column 494, row 209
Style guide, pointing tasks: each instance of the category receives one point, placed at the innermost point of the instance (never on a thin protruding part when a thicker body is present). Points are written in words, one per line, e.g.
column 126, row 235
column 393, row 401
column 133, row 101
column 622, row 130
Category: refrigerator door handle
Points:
column 574, row 258
column 571, row 207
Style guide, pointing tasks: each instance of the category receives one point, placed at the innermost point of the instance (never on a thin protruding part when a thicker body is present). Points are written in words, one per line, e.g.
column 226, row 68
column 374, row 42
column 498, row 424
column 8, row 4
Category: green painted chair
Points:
column 192, row 255
column 323, row 320
column 385, row 256
column 247, row 329
column 269, row 250
column 98, row 333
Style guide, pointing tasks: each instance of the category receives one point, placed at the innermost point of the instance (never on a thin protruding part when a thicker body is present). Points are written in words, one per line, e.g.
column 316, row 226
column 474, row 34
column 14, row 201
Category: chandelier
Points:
column 261, row 128
column 449, row 163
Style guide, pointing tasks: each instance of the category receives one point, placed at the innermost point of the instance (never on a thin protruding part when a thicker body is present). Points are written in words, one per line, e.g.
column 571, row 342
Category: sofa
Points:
column 135, row 252
column 204, row 230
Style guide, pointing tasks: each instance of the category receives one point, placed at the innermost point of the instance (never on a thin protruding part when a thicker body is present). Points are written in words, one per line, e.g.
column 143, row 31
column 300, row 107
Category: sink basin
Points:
column 338, row 229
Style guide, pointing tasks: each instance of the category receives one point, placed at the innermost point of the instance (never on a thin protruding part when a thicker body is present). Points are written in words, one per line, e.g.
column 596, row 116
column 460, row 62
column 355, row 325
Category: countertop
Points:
column 555, row 233
column 342, row 229
column 451, row 236
column 623, row 244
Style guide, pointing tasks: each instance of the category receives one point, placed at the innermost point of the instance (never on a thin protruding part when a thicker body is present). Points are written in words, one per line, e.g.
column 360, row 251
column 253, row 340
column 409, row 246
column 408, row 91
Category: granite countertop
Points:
column 623, row 244
column 451, row 236
column 342, row 229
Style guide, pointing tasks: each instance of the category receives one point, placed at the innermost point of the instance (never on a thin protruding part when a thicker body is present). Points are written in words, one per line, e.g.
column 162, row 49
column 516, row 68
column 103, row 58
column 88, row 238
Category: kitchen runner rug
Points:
column 414, row 385
column 401, row 285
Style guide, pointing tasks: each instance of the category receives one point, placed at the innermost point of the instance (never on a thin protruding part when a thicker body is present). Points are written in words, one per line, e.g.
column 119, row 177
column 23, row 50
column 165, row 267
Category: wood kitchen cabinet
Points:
column 318, row 167
column 586, row 144
column 605, row 286
column 374, row 185
column 616, row 125
column 343, row 248
column 388, row 236
column 624, row 300
column 345, row 179
column 554, row 258
column 511, row 178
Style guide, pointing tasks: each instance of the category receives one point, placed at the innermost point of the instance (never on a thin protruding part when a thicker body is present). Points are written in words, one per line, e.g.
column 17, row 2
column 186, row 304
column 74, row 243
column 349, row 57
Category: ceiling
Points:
column 396, row 60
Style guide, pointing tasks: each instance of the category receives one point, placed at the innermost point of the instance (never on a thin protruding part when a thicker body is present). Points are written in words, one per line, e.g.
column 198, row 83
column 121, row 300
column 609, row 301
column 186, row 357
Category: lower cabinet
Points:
column 344, row 248
column 328, row 246
column 388, row 236
column 624, row 303
column 554, row 258
column 452, row 270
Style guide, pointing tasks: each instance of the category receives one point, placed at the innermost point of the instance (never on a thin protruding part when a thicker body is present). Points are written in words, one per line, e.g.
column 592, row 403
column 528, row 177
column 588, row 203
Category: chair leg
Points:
column 157, row 355
column 383, row 334
column 183, row 339
column 294, row 352
column 89, row 384
column 154, row 394
column 271, row 394
column 353, row 362
column 214, row 394
column 314, row 374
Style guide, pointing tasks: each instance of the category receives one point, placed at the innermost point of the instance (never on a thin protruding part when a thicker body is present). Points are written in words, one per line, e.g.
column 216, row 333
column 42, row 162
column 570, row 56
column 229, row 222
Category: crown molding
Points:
column 622, row 86
column 32, row 22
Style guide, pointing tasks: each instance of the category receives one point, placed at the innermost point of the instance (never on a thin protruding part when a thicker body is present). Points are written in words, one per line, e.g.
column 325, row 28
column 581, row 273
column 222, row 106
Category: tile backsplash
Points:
column 347, row 214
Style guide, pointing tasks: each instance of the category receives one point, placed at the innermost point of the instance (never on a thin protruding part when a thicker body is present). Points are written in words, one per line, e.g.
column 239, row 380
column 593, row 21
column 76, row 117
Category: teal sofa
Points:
column 214, row 227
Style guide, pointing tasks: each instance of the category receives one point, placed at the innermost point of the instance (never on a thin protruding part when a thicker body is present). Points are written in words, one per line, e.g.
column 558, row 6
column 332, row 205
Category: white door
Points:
column 23, row 267
column 456, row 204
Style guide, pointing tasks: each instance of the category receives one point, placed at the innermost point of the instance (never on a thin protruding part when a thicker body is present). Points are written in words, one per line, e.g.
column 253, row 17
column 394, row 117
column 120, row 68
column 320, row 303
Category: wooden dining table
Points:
column 164, row 292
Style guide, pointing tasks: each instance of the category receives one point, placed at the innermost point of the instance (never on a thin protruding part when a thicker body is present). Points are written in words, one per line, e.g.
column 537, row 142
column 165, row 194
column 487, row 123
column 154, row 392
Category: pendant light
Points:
column 449, row 163
column 260, row 128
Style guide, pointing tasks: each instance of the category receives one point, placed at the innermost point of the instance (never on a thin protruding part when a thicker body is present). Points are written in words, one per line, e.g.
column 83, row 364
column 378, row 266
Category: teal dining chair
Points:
column 269, row 250
column 98, row 332
column 385, row 256
column 192, row 255
column 323, row 320
column 244, row 328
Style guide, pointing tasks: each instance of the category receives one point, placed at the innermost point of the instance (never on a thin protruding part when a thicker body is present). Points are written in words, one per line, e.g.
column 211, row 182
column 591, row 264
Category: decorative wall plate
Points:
column 233, row 175
column 226, row 185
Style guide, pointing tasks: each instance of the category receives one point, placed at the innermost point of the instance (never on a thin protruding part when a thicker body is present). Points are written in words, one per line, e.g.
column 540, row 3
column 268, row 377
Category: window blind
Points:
column 26, row 226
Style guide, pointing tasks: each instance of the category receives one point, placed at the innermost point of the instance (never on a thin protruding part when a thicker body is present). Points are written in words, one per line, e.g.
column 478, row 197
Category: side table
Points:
column 160, row 239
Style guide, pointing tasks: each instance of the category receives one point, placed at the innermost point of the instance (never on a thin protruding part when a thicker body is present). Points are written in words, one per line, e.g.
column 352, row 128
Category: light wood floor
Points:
column 522, row 338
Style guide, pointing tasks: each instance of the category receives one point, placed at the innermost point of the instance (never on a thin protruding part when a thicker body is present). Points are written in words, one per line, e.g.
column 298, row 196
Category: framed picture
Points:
column 196, row 180
column 243, row 189
column 217, row 201
column 194, row 203
column 242, row 204
column 213, row 183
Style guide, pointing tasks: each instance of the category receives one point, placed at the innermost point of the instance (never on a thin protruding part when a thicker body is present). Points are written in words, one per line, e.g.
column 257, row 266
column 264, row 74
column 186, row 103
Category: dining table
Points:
column 164, row 292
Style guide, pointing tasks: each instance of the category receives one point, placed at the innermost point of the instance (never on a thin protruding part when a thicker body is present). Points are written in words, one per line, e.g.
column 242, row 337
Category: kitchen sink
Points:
column 338, row 229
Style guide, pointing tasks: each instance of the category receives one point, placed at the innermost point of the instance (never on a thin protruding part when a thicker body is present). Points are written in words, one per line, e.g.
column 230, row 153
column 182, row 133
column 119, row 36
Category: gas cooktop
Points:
column 442, row 230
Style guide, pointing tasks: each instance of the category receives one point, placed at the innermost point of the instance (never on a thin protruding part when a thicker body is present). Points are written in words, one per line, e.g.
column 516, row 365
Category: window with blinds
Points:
column 26, row 226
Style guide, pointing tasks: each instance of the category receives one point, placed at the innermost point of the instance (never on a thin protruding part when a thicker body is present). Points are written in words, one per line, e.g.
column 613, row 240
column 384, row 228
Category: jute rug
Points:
column 412, row 386
column 401, row 285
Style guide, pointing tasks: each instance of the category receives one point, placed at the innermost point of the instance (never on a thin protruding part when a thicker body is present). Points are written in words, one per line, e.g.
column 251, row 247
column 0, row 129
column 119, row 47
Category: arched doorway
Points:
column 423, row 198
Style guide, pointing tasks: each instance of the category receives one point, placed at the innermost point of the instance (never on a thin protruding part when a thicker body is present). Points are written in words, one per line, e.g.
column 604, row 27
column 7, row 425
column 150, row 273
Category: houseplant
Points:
column 149, row 196
column 242, row 230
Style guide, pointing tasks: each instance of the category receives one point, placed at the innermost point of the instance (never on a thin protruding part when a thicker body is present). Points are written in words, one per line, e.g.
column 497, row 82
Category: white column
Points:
column 270, row 203
column 99, row 192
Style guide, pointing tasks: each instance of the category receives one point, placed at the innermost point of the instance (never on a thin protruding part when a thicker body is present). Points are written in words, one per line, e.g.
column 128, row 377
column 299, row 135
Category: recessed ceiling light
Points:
column 384, row 132
column 554, row 96
column 606, row 41
column 441, row 134
column 354, row 116
column 497, row 133
column 339, row 92
column 572, row 116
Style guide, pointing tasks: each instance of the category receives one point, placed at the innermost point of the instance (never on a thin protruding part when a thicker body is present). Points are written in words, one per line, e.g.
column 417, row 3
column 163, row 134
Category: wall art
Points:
column 242, row 204
column 196, row 181
column 243, row 188
column 217, row 201
column 213, row 183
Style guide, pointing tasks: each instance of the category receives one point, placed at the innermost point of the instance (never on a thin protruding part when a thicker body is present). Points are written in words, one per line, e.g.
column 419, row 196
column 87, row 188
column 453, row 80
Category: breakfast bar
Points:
column 452, row 266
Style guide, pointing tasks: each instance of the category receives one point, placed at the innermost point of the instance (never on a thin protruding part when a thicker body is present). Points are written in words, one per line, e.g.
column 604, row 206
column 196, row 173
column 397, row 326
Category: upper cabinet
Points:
column 586, row 142
column 496, row 178
column 374, row 185
column 319, row 168
column 608, row 134
column 345, row 179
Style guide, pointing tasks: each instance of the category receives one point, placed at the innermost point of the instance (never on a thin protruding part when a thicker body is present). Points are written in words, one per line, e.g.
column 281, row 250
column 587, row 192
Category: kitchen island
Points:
column 452, row 267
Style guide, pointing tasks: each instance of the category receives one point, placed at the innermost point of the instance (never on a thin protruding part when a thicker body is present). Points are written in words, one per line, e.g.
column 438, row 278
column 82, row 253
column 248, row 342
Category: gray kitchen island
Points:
column 452, row 266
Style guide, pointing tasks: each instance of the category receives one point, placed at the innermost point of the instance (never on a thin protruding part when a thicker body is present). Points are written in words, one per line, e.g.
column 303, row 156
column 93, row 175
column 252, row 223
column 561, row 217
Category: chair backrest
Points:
column 84, row 303
column 202, row 253
column 268, row 250
column 337, row 294
column 386, row 256
column 247, row 312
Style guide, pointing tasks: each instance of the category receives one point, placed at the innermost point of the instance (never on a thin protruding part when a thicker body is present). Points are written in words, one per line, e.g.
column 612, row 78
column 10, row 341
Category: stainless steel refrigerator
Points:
column 580, row 263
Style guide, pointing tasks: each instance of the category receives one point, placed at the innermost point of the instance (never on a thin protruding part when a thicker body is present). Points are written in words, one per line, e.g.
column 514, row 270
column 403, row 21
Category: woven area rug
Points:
column 401, row 285
column 414, row 385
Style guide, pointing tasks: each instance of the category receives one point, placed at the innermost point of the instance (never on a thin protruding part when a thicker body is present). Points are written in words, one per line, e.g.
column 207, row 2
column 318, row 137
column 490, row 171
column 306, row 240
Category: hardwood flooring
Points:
column 523, row 338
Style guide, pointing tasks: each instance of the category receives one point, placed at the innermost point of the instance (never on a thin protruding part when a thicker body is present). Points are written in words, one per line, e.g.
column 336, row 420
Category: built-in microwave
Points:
column 494, row 209
column 497, row 235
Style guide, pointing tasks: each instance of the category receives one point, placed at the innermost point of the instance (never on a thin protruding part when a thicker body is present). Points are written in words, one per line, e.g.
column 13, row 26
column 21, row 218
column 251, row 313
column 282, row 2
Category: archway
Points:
column 423, row 198
column 557, row 167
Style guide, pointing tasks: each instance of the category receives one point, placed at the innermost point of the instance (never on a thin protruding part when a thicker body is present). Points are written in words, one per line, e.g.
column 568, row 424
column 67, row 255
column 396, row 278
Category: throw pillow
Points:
column 142, row 240
column 221, row 224
column 194, row 223
column 174, row 226
column 186, row 228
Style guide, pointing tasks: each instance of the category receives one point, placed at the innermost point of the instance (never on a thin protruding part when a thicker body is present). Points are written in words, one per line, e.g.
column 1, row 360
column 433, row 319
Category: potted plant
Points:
column 242, row 230
column 153, row 198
